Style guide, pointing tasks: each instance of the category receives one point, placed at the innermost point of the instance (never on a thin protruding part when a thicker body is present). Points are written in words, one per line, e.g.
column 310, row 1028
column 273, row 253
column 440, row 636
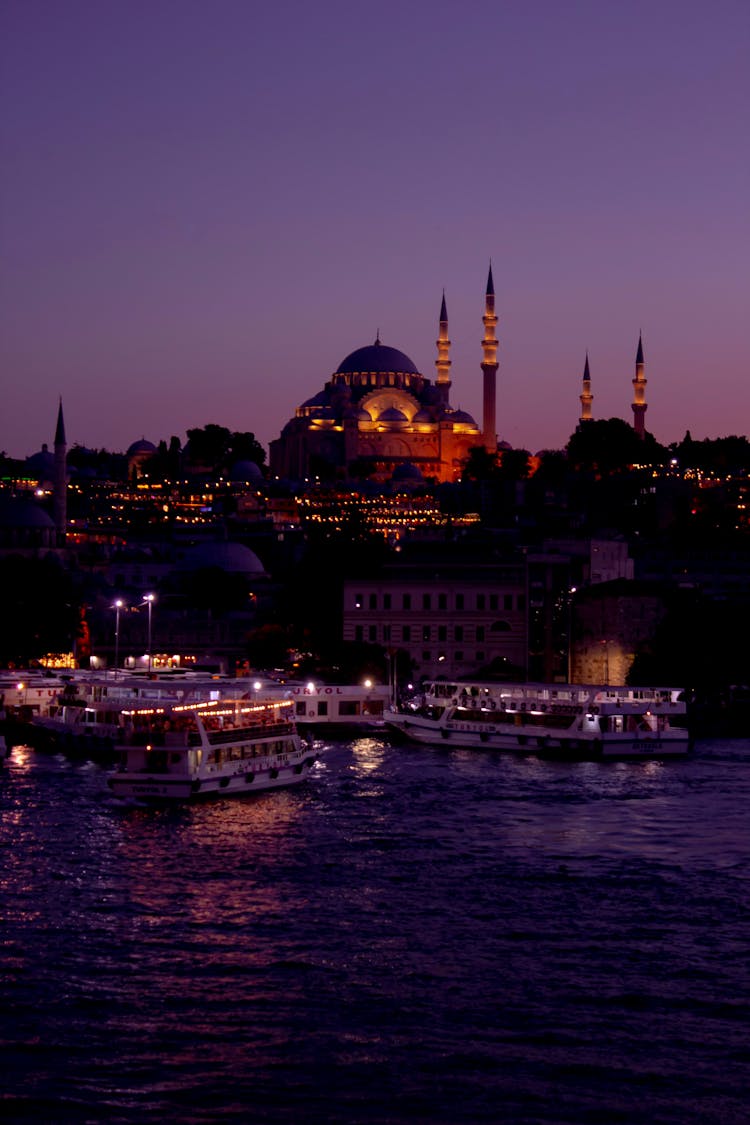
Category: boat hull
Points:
column 550, row 744
column 249, row 777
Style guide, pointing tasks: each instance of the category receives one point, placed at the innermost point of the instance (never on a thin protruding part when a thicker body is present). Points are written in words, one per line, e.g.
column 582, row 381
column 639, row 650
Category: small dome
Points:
column 246, row 470
column 16, row 512
column 41, row 465
column 461, row 417
column 422, row 416
column 362, row 415
column 407, row 472
column 392, row 414
column 379, row 358
column 320, row 399
column 141, row 447
column 234, row 558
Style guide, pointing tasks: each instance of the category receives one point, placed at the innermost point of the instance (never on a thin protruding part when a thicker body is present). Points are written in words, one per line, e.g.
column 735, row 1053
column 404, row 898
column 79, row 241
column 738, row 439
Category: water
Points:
column 414, row 935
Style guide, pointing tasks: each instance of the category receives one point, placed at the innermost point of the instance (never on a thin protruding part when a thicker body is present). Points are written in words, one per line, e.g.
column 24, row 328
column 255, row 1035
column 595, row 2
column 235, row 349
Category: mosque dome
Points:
column 462, row 418
column 407, row 472
column 320, row 399
column 42, row 464
column 17, row 512
column 246, row 470
column 234, row 558
column 422, row 416
column 141, row 447
column 378, row 358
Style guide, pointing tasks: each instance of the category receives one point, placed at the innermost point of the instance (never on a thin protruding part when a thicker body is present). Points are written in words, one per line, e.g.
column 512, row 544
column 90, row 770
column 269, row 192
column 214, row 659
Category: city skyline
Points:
column 205, row 209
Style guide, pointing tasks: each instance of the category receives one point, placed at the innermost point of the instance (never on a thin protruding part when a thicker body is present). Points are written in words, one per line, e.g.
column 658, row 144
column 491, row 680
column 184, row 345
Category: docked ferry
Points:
column 214, row 748
column 548, row 720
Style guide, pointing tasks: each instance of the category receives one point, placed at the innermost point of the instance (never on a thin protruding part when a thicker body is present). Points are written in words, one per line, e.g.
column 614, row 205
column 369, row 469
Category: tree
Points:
column 41, row 612
column 610, row 445
column 480, row 464
column 209, row 446
column 243, row 446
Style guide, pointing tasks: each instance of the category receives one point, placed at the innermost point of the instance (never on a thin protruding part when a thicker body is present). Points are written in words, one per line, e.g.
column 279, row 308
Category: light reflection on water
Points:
column 413, row 934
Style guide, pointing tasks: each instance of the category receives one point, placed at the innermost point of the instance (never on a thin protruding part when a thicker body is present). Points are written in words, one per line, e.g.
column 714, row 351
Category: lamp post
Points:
column 571, row 592
column 118, row 606
column 148, row 599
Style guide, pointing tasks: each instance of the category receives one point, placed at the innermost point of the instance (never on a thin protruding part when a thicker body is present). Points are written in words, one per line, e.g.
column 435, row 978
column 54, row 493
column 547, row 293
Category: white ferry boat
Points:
column 548, row 720
column 220, row 747
column 326, row 708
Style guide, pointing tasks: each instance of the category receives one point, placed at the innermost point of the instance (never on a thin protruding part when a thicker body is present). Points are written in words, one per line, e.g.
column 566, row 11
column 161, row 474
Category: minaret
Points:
column 60, row 506
column 639, row 392
column 443, row 363
column 489, row 368
column 586, row 396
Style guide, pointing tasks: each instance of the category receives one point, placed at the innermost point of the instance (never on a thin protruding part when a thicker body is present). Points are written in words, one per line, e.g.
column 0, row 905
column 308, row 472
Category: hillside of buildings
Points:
column 613, row 560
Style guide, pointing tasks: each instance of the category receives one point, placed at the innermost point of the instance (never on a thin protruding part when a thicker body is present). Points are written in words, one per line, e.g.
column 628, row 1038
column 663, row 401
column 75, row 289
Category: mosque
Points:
column 378, row 416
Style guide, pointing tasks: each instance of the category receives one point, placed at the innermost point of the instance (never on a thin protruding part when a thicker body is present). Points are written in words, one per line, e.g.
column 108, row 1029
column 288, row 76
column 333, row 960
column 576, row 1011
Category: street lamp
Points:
column 118, row 606
column 148, row 599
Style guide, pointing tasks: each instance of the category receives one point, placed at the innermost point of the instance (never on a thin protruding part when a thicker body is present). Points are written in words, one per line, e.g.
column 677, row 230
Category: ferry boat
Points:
column 220, row 747
column 548, row 720
column 339, row 708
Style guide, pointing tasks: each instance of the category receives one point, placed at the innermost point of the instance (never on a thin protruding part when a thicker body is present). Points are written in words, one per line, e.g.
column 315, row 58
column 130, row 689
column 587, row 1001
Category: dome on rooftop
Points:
column 246, row 470
column 141, row 446
column 42, row 464
column 17, row 512
column 234, row 558
column 379, row 358
column 407, row 472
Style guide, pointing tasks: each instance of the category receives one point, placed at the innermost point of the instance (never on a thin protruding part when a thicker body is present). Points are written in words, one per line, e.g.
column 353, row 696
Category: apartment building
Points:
column 448, row 619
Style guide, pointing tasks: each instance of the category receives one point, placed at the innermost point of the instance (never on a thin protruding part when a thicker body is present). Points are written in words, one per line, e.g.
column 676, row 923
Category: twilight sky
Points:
column 206, row 204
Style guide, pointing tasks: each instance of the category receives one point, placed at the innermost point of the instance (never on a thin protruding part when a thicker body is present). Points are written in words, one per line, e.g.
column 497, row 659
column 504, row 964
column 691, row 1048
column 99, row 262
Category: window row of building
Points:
column 458, row 602
column 386, row 633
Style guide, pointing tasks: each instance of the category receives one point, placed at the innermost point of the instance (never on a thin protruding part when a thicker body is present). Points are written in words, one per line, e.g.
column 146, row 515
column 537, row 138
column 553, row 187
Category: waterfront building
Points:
column 442, row 616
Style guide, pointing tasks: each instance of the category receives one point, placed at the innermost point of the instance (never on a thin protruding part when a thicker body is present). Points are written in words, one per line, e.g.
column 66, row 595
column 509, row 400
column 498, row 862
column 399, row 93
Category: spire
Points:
column 60, row 429
column 60, row 492
column 639, row 391
column 586, row 396
column 443, row 363
column 489, row 368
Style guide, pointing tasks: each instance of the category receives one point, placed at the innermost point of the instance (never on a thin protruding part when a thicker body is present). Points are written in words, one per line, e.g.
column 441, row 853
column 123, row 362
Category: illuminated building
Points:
column 378, row 415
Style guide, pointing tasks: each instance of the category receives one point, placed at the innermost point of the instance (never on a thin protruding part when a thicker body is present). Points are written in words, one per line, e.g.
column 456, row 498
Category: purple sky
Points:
column 205, row 206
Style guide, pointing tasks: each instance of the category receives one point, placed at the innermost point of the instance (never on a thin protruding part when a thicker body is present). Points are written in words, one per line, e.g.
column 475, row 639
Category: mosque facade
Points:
column 379, row 417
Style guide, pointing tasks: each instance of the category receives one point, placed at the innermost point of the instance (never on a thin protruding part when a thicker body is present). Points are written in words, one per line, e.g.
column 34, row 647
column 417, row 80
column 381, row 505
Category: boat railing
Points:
column 254, row 730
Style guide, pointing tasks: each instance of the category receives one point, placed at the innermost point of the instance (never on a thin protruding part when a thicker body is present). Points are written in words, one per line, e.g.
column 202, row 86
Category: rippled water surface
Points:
column 412, row 935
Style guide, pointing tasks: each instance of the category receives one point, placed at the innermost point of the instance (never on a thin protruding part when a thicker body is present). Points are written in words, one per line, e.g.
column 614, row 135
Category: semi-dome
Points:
column 379, row 358
column 392, row 414
column 234, row 558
